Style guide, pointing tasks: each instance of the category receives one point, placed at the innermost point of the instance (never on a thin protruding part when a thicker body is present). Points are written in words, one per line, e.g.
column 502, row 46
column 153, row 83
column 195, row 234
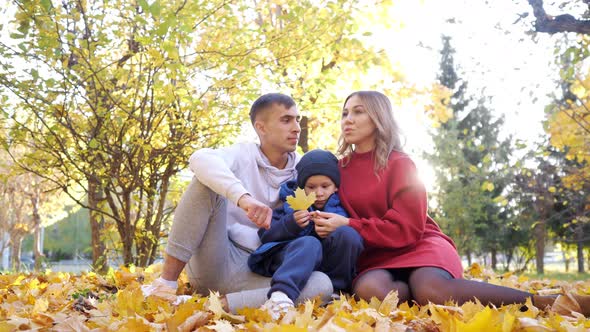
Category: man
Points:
column 232, row 195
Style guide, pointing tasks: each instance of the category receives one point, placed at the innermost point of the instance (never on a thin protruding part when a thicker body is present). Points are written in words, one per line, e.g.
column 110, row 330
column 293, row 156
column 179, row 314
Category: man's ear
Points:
column 259, row 127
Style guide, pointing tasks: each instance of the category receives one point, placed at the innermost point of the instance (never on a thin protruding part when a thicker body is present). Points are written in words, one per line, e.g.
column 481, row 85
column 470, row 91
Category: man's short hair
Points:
column 267, row 100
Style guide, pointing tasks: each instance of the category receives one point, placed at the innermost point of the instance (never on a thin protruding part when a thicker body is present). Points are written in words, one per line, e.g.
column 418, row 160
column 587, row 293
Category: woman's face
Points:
column 357, row 126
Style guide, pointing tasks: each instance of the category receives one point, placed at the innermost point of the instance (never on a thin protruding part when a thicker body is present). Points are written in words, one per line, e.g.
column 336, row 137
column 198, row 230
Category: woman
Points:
column 405, row 249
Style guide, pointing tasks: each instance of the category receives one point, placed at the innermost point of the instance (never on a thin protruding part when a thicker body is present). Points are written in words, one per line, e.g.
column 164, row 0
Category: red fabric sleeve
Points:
column 405, row 219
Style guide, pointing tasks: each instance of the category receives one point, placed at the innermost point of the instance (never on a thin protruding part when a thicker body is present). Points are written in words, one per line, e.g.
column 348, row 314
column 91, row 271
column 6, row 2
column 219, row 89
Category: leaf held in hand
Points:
column 301, row 201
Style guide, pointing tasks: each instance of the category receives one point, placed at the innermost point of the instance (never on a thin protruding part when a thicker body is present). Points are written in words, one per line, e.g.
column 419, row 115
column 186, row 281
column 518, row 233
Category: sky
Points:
column 495, row 55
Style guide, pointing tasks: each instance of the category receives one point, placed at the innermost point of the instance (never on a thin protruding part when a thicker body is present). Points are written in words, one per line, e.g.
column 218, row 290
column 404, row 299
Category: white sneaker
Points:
column 278, row 304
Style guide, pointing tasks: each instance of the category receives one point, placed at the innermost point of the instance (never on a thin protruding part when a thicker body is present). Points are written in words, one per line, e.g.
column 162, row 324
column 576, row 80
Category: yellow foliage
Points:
column 487, row 186
column 475, row 270
column 95, row 308
column 569, row 131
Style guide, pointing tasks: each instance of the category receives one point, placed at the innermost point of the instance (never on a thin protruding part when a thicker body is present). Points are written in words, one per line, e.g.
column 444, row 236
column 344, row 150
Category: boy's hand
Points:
column 257, row 212
column 302, row 217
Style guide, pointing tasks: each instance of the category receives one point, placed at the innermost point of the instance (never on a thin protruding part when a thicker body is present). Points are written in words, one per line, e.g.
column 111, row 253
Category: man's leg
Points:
column 341, row 250
column 198, row 237
column 199, row 228
column 251, row 290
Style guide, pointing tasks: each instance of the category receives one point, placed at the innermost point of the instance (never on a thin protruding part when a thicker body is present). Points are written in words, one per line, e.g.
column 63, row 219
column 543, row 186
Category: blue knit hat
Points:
column 318, row 162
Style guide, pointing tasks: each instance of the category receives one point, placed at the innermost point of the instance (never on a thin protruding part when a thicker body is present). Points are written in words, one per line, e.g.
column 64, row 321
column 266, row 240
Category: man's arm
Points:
column 172, row 268
column 213, row 168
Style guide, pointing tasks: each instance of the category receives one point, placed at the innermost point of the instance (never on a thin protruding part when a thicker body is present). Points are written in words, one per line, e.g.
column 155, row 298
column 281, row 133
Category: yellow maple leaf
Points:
column 41, row 305
column 445, row 319
column 509, row 322
column 306, row 318
column 389, row 303
column 484, row 320
column 255, row 315
column 6, row 326
column 193, row 322
column 301, row 201
column 214, row 305
column 475, row 270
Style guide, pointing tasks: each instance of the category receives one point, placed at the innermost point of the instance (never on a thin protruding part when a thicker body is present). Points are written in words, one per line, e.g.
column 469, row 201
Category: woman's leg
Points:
column 431, row 284
column 379, row 283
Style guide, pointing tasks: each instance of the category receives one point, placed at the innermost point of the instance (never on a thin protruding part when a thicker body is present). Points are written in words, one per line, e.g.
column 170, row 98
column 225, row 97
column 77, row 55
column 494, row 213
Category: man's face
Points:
column 278, row 128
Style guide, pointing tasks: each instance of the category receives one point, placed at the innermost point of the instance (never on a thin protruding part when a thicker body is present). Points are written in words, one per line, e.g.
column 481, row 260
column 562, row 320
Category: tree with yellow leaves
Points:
column 116, row 95
column 569, row 127
column 28, row 203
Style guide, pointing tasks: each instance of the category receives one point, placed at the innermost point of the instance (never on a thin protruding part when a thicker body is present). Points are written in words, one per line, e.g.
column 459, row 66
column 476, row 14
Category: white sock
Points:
column 168, row 283
column 279, row 296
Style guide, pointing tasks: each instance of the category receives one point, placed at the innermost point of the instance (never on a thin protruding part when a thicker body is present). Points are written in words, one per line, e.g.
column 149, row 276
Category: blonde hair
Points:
column 387, row 138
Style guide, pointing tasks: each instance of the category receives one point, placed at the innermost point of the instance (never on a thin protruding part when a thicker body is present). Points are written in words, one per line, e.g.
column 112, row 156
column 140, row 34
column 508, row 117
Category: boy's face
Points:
column 322, row 186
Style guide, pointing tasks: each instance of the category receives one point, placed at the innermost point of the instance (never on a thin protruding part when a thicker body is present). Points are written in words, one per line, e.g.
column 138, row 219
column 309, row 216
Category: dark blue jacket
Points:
column 283, row 227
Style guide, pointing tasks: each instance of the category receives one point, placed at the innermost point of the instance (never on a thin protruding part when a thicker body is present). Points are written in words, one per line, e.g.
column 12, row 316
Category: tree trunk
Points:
column 580, row 256
column 99, row 257
column 127, row 239
column 304, row 135
column 469, row 261
column 494, row 253
column 153, row 239
column 566, row 259
column 539, row 232
column 509, row 257
column 37, row 242
column 15, row 252
column 128, row 233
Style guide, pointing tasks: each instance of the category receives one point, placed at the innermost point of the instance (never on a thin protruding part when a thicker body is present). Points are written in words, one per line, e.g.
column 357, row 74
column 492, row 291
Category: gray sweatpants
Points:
column 199, row 237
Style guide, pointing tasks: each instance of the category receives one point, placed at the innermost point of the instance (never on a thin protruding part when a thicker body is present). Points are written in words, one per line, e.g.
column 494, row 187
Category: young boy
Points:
column 291, row 249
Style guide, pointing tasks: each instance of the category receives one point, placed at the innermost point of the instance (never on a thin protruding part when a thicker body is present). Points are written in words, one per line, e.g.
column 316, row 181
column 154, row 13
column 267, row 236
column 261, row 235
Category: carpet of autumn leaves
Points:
column 54, row 301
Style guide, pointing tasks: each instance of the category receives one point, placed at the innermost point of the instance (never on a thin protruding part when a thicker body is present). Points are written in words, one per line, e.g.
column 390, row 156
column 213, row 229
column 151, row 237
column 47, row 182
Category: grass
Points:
column 563, row 276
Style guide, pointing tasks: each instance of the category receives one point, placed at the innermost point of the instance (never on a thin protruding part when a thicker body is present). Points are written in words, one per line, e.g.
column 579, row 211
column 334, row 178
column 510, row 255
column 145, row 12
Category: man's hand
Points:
column 166, row 290
column 326, row 222
column 257, row 212
column 302, row 217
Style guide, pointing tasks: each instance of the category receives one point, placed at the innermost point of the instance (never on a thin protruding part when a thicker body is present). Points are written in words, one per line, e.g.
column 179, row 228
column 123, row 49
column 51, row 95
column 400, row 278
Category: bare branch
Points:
column 554, row 24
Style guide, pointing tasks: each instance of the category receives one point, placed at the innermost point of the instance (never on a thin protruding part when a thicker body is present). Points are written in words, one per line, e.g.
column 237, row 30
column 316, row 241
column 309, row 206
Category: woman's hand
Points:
column 326, row 222
column 302, row 217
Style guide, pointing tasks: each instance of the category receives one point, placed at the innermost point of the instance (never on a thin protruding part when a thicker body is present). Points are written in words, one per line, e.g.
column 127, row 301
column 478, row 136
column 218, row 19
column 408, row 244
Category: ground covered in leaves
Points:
column 54, row 301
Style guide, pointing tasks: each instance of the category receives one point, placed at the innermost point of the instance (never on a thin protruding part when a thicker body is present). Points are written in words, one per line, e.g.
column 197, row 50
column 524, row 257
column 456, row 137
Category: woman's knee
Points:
column 430, row 285
column 378, row 283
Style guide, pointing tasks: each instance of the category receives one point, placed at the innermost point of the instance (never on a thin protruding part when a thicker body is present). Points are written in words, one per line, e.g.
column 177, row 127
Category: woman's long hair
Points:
column 387, row 138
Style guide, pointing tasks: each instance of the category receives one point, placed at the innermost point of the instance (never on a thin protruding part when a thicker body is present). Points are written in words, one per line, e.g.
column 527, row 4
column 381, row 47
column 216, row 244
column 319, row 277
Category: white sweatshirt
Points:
column 237, row 170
